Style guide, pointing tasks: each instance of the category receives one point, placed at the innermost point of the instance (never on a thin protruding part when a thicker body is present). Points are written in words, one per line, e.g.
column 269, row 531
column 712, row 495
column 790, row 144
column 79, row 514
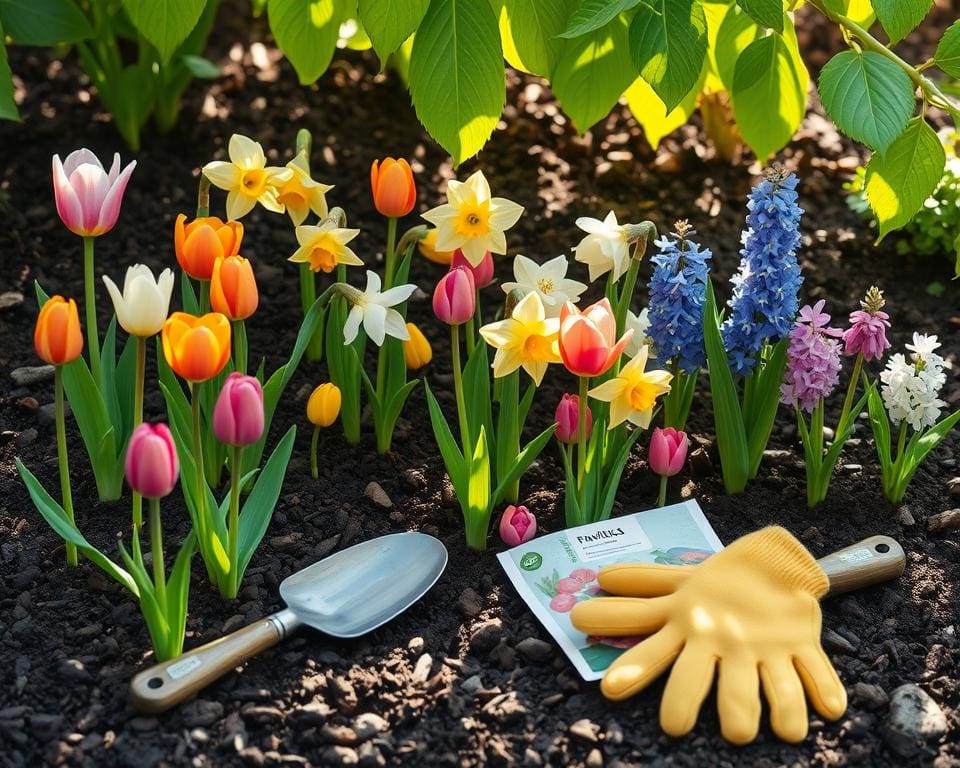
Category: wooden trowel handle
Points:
column 868, row 562
column 167, row 684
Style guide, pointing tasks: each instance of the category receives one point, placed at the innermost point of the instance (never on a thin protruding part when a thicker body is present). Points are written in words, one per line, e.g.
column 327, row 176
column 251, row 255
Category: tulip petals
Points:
column 78, row 157
column 110, row 207
column 151, row 464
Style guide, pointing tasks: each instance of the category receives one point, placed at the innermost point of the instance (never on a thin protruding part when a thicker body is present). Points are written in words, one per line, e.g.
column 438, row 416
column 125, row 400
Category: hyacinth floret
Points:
column 813, row 359
column 911, row 387
column 765, row 288
column 678, row 291
column 867, row 334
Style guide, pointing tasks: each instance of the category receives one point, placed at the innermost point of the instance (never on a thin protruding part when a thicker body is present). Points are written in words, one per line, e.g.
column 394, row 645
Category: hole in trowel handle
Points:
column 882, row 547
column 155, row 682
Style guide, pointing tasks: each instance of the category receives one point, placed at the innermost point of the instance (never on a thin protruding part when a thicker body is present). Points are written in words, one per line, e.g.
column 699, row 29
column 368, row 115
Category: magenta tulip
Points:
column 668, row 451
column 238, row 414
column 152, row 465
column 517, row 525
column 88, row 197
column 568, row 419
column 455, row 297
column 482, row 273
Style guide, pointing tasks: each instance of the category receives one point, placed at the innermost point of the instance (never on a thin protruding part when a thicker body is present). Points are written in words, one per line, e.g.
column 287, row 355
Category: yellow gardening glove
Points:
column 750, row 609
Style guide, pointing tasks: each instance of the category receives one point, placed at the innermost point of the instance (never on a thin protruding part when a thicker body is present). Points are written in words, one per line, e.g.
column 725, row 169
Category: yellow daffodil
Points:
column 325, row 246
column 247, row 178
column 300, row 194
column 527, row 338
column 473, row 221
column 633, row 393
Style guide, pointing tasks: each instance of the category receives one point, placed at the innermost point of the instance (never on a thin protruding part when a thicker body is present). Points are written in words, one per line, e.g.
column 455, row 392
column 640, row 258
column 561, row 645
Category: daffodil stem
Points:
column 156, row 548
column 203, row 197
column 240, row 345
column 851, row 389
column 662, row 498
column 626, row 296
column 314, row 471
column 139, row 383
column 90, row 307
column 582, row 443
column 233, row 522
column 63, row 458
column 458, row 390
column 391, row 255
column 308, row 295
column 204, row 296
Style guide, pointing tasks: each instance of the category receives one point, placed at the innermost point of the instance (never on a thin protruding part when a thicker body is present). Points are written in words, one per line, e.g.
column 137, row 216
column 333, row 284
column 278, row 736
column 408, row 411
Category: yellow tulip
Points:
column 428, row 249
column 323, row 407
column 416, row 350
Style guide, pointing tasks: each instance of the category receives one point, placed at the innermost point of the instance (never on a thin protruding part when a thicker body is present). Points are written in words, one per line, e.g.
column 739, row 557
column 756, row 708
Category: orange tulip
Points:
column 201, row 242
column 588, row 342
column 57, row 337
column 196, row 348
column 394, row 192
column 233, row 288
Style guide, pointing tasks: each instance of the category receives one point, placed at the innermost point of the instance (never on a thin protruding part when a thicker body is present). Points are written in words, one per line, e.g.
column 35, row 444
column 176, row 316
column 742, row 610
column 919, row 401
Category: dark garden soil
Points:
column 467, row 676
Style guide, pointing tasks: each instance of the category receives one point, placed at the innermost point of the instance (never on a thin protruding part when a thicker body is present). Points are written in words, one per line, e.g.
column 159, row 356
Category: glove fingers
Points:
column 619, row 615
column 638, row 667
column 821, row 682
column 689, row 683
column 788, row 707
column 642, row 579
column 738, row 699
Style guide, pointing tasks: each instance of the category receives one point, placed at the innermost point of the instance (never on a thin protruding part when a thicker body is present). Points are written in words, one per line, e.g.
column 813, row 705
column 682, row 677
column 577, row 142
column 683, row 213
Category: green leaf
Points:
column 530, row 33
column 766, row 12
column 668, row 43
column 590, row 15
column 761, row 410
column 456, row 75
column 390, row 22
column 43, row 22
column 612, row 482
column 920, row 446
column 165, row 23
column 900, row 180
column 736, row 32
column 523, row 461
column 452, row 457
column 948, row 50
column 478, row 488
column 868, row 96
column 899, row 17
column 649, row 110
column 8, row 105
column 592, row 73
column 307, row 32
column 476, row 391
column 770, row 92
column 200, row 67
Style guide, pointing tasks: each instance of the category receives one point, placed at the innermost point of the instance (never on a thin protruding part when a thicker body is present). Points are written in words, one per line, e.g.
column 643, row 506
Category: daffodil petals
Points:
column 352, row 325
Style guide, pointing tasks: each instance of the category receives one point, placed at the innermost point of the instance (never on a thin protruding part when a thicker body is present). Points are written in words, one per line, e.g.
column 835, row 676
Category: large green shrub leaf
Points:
column 770, row 92
column 868, row 96
column 593, row 71
column 530, row 33
column 593, row 14
column 766, row 12
column 456, row 75
column 390, row 22
column 668, row 43
column 8, row 106
column 736, row 32
column 948, row 51
column 649, row 110
column 899, row 180
column 307, row 32
column 165, row 23
column 899, row 17
column 43, row 22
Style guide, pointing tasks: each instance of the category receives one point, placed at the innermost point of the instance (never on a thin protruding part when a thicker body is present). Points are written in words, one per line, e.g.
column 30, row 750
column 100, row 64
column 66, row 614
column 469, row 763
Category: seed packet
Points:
column 554, row 572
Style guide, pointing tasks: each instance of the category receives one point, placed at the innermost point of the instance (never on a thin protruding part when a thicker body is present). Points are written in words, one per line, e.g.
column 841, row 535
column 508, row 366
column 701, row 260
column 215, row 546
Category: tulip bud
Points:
column 517, row 525
column 238, row 414
column 428, row 249
column 143, row 306
column 151, row 464
column 568, row 419
column 668, row 451
column 196, row 348
column 394, row 192
column 455, row 297
column 482, row 273
column 88, row 196
column 233, row 288
column 57, row 337
column 416, row 350
column 199, row 243
column 323, row 407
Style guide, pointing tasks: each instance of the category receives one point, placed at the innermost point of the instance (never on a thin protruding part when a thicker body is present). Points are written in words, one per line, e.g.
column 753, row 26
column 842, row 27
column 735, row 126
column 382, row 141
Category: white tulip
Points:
column 143, row 306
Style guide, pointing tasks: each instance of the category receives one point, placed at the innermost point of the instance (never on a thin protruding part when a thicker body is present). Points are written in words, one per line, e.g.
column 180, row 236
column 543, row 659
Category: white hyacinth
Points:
column 911, row 387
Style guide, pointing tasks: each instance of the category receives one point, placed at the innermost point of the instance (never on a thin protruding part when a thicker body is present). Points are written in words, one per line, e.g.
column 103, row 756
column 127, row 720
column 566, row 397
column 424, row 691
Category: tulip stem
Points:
column 458, row 390
column 233, row 523
column 240, row 345
column 156, row 548
column 90, row 306
column 391, row 253
column 63, row 458
column 203, row 197
column 582, row 442
column 851, row 389
column 314, row 471
column 137, row 419
column 662, row 498
column 471, row 334
column 200, row 502
column 204, row 296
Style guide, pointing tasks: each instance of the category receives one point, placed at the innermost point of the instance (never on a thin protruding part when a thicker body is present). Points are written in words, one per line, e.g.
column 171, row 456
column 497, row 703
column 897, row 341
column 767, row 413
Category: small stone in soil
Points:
column 535, row 649
column 200, row 712
column 339, row 755
column 27, row 437
column 915, row 721
column 486, row 635
column 374, row 491
column 869, row 696
column 945, row 521
column 10, row 299
column 837, row 643
column 422, row 669
column 31, row 374
column 469, row 603
column 905, row 517
column 416, row 645
column 586, row 730
column 73, row 669
column 368, row 725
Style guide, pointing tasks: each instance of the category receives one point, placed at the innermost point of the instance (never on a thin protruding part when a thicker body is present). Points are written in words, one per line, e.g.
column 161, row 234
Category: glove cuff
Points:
column 775, row 551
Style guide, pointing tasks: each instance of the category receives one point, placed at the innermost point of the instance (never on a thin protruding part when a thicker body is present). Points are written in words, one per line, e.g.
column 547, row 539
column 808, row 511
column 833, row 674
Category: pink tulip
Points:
column 583, row 575
column 568, row 419
column 455, row 297
column 151, row 465
column 517, row 525
column 88, row 198
column 569, row 585
column 668, row 451
column 238, row 414
column 563, row 603
column 482, row 273
column 588, row 342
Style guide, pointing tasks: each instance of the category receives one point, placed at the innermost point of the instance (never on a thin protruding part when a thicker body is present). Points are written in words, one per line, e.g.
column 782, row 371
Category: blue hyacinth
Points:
column 678, row 291
column 765, row 300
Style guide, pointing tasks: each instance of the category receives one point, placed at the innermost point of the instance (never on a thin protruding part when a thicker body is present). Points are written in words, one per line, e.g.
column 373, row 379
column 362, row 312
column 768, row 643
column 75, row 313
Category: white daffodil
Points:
column 300, row 194
column 323, row 247
column 373, row 309
column 639, row 325
column 247, row 178
column 143, row 306
column 548, row 280
column 473, row 221
column 606, row 246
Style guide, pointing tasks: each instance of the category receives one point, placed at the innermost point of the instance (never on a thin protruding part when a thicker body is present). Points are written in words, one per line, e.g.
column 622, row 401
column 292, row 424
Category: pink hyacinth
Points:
column 813, row 359
column 88, row 197
column 867, row 334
